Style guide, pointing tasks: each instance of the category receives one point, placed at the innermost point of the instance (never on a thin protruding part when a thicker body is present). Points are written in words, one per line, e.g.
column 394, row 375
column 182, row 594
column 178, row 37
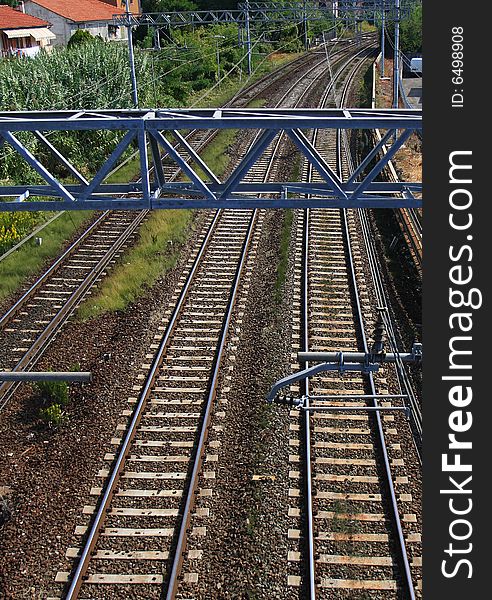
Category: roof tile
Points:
column 14, row 19
column 80, row 11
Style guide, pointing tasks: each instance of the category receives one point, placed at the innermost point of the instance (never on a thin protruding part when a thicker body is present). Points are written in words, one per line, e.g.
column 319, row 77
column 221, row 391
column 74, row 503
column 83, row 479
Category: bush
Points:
column 53, row 415
column 13, row 227
column 411, row 32
column 54, row 392
column 81, row 36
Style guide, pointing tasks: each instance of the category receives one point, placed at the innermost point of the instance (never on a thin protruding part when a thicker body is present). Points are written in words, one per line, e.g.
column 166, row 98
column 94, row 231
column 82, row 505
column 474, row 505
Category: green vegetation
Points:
column 411, row 32
column 367, row 27
column 53, row 392
column 30, row 258
column 53, row 415
column 215, row 154
column 156, row 252
column 80, row 37
column 95, row 74
column 284, row 255
column 55, row 396
column 365, row 89
column 340, row 524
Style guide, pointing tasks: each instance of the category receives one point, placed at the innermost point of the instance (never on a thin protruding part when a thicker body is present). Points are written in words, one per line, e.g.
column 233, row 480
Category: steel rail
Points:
column 307, row 418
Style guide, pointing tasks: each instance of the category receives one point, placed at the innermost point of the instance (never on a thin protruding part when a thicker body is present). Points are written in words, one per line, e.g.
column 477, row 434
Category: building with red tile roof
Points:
column 69, row 15
column 22, row 34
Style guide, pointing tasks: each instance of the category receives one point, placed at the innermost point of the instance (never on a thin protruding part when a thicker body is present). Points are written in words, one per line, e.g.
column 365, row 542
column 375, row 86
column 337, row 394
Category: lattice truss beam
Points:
column 159, row 137
column 260, row 12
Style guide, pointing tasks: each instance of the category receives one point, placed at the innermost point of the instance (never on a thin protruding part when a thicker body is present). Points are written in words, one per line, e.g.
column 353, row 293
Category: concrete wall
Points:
column 64, row 29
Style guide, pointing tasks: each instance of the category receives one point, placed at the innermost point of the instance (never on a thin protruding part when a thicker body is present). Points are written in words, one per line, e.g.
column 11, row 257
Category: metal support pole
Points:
column 360, row 397
column 357, row 357
column 131, row 56
column 218, row 59
column 305, row 25
column 217, row 38
column 326, row 48
column 396, row 61
column 383, row 35
column 367, row 409
column 248, row 39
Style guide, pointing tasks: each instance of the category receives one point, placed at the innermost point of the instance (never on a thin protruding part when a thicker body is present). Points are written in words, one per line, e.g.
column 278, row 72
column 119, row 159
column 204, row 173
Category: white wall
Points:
column 63, row 29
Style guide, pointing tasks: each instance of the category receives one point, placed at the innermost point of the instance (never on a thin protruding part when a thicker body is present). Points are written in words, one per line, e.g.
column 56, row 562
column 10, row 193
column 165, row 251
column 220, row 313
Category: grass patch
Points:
column 53, row 415
column 126, row 172
column 215, row 155
column 30, row 258
column 258, row 103
column 343, row 525
column 155, row 253
column 228, row 88
column 284, row 254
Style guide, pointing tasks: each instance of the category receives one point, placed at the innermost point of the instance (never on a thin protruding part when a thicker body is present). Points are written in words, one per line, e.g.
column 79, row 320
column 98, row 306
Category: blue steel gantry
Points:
column 261, row 12
column 162, row 132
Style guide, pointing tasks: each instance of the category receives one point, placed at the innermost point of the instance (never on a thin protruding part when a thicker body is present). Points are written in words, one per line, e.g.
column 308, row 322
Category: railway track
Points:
column 32, row 322
column 139, row 528
column 354, row 524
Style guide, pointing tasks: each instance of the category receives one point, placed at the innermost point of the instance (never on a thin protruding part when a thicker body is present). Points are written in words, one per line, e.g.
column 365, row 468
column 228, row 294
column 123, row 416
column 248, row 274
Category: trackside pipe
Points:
column 71, row 376
column 358, row 357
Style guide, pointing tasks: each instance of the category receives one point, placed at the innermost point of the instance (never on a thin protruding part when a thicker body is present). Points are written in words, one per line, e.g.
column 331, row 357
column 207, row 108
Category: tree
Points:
column 81, row 36
column 411, row 32
column 153, row 6
column 181, row 5
column 12, row 3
